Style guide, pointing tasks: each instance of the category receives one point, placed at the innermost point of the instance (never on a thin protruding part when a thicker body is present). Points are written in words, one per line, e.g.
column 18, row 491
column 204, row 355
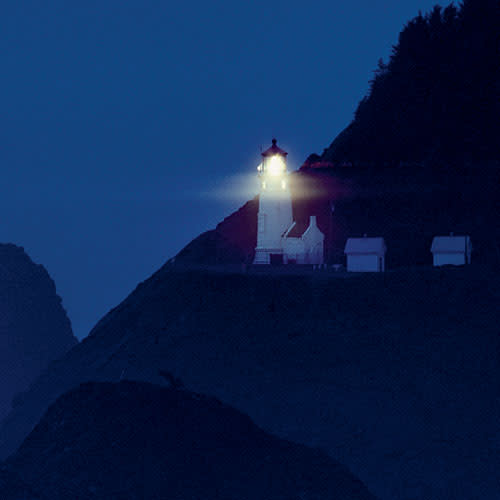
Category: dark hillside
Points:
column 135, row 440
column 34, row 327
column 12, row 488
column 406, row 206
column 232, row 242
column 437, row 100
column 395, row 375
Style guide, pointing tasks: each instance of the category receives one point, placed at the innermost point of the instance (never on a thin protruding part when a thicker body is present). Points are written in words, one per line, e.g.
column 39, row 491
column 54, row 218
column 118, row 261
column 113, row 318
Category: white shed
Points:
column 303, row 244
column 454, row 250
column 365, row 254
column 314, row 243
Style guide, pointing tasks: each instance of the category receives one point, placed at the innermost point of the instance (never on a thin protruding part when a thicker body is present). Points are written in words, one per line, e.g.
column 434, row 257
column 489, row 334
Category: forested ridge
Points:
column 436, row 102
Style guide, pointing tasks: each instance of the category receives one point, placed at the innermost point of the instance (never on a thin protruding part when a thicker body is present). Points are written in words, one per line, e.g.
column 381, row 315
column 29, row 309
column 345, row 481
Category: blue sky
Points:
column 127, row 128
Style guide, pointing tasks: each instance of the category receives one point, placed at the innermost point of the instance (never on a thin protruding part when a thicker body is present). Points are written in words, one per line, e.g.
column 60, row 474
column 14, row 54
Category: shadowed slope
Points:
column 135, row 440
column 12, row 488
column 231, row 242
column 34, row 327
column 396, row 375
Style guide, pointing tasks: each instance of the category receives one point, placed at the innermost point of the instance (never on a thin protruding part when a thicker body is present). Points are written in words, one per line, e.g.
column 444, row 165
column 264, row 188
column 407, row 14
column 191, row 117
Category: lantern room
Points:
column 273, row 166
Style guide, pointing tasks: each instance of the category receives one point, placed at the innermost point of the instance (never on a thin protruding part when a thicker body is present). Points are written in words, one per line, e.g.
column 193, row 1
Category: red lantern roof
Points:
column 274, row 150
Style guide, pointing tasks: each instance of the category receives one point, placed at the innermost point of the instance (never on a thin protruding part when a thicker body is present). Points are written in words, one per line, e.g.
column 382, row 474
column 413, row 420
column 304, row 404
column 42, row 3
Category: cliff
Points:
column 34, row 327
column 396, row 375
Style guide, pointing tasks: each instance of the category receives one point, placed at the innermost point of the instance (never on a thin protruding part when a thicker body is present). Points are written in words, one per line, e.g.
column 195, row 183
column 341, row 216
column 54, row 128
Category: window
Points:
column 262, row 223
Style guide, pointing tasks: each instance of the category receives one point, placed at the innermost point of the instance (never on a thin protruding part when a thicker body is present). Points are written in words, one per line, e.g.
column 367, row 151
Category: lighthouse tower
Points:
column 275, row 206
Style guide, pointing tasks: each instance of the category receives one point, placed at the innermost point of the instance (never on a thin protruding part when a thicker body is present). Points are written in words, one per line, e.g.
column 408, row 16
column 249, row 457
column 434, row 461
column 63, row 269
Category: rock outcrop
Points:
column 34, row 327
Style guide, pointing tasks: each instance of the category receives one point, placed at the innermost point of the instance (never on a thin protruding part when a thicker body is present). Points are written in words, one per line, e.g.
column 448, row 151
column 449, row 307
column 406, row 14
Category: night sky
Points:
column 128, row 128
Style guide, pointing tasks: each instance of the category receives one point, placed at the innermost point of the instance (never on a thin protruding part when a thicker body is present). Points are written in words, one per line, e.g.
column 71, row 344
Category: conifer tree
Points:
column 437, row 100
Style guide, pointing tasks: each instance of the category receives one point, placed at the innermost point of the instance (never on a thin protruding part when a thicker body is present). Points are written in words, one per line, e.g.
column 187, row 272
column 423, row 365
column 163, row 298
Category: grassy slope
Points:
column 395, row 375
column 137, row 440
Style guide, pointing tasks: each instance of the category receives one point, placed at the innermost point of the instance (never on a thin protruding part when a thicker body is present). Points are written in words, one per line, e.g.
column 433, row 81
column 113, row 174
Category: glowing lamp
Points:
column 276, row 165
column 273, row 164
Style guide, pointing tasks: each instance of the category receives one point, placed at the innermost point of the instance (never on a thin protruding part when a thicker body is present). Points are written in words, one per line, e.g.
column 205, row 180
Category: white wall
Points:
column 441, row 259
column 294, row 249
column 365, row 263
column 274, row 218
column 315, row 255
column 314, row 243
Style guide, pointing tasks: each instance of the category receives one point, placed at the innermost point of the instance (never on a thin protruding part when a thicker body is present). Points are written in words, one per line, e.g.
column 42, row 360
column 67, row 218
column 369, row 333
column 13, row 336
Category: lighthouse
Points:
column 275, row 206
column 280, row 239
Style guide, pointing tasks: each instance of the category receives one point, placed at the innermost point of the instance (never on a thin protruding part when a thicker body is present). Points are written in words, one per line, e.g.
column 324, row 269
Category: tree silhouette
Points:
column 437, row 100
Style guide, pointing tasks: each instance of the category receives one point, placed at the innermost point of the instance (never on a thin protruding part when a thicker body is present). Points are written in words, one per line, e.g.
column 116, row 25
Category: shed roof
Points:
column 297, row 230
column 451, row 244
column 363, row 246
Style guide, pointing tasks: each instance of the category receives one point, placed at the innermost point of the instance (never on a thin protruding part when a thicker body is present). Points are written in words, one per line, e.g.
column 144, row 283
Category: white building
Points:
column 365, row 254
column 454, row 250
column 304, row 244
column 280, row 240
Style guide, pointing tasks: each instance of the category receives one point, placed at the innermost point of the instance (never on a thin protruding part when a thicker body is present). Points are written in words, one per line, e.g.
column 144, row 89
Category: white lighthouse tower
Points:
column 275, row 206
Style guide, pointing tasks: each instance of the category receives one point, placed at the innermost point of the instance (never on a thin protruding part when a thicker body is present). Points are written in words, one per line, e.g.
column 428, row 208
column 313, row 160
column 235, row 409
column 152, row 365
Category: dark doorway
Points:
column 276, row 259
